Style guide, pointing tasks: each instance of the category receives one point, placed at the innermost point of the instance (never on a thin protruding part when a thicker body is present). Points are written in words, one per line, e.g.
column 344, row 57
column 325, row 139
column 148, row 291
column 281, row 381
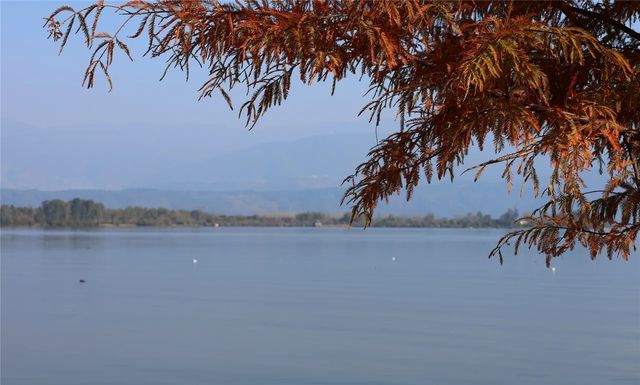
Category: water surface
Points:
column 310, row 306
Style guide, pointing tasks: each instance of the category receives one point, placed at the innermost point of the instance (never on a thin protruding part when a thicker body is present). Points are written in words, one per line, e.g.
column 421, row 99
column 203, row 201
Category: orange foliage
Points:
column 550, row 79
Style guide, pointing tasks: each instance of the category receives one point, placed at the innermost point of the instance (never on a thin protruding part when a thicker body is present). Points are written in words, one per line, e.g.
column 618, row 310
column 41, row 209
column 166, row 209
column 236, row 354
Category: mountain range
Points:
column 235, row 174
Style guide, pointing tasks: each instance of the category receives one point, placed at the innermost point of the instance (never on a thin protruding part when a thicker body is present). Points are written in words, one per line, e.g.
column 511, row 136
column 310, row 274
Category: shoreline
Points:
column 129, row 226
column 79, row 213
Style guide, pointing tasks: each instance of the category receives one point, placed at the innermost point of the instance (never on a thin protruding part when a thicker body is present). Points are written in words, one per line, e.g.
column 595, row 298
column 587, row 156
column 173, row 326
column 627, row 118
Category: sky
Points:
column 43, row 89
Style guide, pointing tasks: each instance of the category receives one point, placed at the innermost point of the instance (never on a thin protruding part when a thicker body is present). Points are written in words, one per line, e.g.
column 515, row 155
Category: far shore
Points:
column 132, row 226
column 80, row 213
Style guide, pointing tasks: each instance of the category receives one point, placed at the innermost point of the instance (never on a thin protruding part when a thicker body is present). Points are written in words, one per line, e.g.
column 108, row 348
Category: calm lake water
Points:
column 310, row 306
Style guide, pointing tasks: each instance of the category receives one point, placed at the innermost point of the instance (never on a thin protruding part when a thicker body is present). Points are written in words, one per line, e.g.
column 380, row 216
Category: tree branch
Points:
column 614, row 23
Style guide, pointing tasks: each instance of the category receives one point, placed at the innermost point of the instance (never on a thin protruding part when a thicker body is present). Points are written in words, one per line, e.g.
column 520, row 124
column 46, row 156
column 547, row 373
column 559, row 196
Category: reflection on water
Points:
column 309, row 306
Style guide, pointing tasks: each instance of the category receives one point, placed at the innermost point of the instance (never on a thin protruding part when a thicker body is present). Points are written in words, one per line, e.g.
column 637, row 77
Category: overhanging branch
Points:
column 607, row 20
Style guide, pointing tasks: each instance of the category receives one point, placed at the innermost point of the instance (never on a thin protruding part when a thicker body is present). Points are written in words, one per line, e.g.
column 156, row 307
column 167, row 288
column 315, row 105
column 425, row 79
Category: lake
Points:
column 310, row 306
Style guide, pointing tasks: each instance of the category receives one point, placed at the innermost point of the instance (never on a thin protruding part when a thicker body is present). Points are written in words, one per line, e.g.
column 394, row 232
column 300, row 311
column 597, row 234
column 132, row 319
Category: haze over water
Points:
column 309, row 306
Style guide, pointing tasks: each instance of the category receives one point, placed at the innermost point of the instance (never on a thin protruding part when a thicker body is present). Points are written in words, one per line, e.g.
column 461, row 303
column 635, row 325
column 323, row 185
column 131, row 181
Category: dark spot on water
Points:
column 82, row 281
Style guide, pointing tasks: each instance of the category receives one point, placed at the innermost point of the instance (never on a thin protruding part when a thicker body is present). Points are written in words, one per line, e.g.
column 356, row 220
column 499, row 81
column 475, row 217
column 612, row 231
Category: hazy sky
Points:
column 43, row 89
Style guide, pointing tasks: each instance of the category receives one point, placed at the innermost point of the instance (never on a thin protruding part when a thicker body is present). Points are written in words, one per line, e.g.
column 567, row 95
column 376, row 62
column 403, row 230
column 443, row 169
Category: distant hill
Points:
column 117, row 158
column 316, row 162
column 204, row 158
column 443, row 199
column 246, row 174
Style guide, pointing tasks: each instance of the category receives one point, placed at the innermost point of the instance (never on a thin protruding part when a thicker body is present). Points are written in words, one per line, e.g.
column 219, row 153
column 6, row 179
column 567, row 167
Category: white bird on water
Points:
column 553, row 269
column 195, row 260
column 393, row 259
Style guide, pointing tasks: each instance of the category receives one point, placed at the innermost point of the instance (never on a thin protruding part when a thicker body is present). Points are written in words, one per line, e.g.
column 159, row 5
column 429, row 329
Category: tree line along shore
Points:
column 88, row 213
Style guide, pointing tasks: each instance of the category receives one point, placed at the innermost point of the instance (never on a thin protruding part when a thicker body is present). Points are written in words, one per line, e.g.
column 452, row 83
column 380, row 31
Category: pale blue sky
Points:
column 43, row 89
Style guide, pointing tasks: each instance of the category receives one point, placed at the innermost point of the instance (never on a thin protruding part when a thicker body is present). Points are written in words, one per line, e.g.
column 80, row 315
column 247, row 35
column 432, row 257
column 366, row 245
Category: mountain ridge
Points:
column 438, row 199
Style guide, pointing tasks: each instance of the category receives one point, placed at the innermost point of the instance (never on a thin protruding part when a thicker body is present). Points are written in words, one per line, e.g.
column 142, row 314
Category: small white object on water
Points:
column 393, row 258
column 195, row 260
column 553, row 269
